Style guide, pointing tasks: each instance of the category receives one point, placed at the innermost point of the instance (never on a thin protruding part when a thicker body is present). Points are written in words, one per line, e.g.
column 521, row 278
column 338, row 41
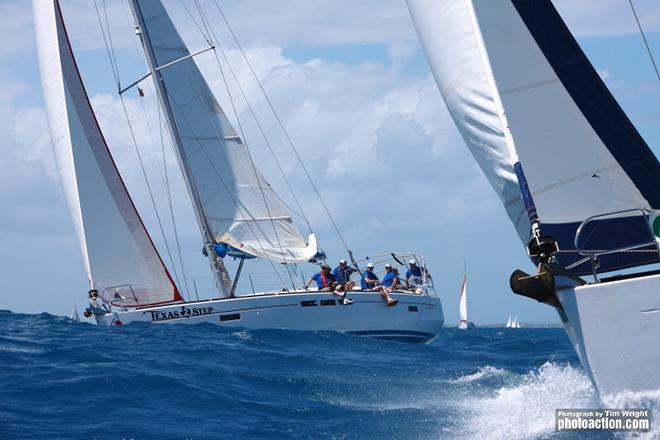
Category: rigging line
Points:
column 263, row 134
column 151, row 194
column 208, row 41
column 112, row 46
column 163, row 171
column 111, row 57
column 254, row 167
column 646, row 43
column 115, row 73
column 286, row 134
column 169, row 197
column 224, row 184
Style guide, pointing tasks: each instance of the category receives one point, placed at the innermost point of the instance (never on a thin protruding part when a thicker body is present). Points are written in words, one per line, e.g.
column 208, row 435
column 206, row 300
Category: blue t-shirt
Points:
column 414, row 272
column 388, row 279
column 370, row 276
column 318, row 277
column 342, row 275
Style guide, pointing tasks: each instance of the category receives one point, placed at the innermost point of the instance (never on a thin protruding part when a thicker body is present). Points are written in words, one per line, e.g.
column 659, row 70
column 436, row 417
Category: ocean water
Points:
column 65, row 380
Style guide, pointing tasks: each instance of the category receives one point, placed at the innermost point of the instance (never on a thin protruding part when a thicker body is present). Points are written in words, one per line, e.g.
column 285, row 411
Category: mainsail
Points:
column 520, row 89
column 122, row 262
column 238, row 207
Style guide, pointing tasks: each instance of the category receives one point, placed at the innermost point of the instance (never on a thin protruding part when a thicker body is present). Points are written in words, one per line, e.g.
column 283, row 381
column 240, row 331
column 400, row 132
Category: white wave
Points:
column 243, row 335
column 638, row 400
column 526, row 410
column 483, row 373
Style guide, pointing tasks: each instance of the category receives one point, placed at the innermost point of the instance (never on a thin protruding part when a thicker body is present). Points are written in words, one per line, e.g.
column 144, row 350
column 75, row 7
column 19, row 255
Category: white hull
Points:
column 615, row 330
column 417, row 318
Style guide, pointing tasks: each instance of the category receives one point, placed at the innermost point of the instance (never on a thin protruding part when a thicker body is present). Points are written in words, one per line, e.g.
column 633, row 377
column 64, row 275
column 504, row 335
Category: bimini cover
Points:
column 240, row 207
column 519, row 88
column 120, row 258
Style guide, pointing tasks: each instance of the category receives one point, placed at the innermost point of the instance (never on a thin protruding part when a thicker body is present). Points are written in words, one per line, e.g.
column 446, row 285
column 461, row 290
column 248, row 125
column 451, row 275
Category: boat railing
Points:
column 264, row 282
column 121, row 295
column 592, row 255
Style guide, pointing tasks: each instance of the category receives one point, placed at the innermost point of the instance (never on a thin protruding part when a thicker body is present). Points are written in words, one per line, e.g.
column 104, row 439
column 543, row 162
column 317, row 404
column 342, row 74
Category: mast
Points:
column 222, row 278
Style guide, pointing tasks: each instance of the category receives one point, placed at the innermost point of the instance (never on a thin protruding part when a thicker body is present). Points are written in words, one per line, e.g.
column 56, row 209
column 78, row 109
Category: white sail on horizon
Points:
column 463, row 301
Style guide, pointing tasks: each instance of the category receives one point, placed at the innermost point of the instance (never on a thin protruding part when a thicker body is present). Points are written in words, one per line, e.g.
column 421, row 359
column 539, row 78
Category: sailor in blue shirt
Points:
column 391, row 278
column 369, row 278
column 414, row 272
column 327, row 283
column 342, row 273
column 414, row 277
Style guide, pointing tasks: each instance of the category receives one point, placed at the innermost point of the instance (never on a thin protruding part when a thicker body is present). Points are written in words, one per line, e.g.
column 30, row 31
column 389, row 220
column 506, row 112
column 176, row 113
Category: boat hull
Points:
column 615, row 329
column 417, row 318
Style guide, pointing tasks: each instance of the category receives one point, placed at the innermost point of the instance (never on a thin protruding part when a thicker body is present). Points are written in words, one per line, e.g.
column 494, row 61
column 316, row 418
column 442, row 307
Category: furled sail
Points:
column 519, row 88
column 239, row 207
column 121, row 260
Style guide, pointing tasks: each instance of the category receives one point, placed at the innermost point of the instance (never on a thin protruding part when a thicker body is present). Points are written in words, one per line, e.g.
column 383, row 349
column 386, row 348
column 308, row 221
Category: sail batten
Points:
column 234, row 199
column 533, row 97
column 120, row 257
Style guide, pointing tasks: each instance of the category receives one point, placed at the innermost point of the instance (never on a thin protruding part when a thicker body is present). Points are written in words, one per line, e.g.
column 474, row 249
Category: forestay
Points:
column 121, row 260
column 519, row 88
column 239, row 207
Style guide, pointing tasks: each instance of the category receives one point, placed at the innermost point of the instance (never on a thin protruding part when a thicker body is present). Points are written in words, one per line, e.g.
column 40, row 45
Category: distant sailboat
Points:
column 237, row 210
column 512, row 322
column 463, row 323
column 74, row 314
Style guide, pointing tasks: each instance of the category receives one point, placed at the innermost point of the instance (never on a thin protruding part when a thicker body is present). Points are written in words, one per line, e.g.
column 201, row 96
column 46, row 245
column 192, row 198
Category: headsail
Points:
column 238, row 206
column 120, row 258
column 519, row 88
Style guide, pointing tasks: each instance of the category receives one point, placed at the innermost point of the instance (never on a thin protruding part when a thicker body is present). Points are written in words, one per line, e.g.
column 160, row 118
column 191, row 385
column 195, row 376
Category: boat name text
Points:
column 185, row 312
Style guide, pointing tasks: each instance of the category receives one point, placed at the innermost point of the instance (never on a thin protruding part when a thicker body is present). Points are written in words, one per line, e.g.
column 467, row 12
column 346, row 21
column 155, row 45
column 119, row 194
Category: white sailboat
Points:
column 238, row 212
column 523, row 95
column 463, row 323
column 508, row 322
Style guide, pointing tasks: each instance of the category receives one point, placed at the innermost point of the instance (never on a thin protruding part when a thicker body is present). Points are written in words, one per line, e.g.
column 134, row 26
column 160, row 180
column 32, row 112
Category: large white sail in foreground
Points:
column 121, row 260
column 520, row 89
column 238, row 206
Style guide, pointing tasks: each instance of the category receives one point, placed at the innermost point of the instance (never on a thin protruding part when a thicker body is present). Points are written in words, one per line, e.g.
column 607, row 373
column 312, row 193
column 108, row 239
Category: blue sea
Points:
column 65, row 380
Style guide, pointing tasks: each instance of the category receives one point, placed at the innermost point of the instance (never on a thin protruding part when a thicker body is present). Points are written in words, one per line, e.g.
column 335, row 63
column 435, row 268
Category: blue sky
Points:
column 353, row 88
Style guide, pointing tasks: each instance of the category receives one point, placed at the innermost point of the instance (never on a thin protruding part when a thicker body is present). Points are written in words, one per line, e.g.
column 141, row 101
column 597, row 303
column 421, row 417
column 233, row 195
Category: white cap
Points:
column 388, row 265
column 412, row 262
column 342, row 261
column 370, row 265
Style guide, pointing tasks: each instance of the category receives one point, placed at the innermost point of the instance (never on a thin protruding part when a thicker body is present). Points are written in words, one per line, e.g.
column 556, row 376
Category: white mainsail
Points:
column 120, row 258
column 508, row 322
column 520, row 90
column 239, row 207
